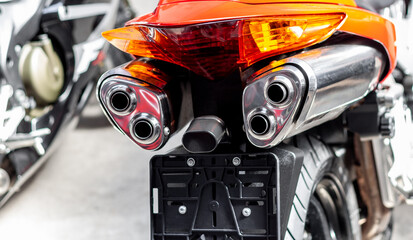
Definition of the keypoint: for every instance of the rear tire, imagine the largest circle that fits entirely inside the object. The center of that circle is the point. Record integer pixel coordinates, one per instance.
(325, 204)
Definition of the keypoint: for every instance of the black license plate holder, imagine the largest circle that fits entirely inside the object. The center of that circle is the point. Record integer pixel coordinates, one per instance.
(215, 197)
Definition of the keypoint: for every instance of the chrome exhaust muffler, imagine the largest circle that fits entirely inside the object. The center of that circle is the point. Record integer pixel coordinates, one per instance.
(134, 99)
(295, 94)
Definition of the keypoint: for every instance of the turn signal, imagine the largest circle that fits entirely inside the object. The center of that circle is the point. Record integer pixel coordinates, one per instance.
(272, 36)
(215, 49)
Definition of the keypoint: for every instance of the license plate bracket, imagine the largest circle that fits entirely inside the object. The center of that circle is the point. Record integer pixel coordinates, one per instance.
(215, 197)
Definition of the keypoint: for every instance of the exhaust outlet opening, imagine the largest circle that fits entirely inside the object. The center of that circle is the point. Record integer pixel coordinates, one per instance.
(120, 101)
(259, 124)
(204, 134)
(277, 93)
(143, 129)
(199, 142)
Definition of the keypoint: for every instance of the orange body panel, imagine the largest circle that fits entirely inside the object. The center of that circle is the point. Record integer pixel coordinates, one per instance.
(359, 21)
(339, 2)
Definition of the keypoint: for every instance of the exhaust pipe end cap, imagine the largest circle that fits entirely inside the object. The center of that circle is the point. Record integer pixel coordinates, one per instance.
(121, 100)
(262, 124)
(145, 129)
(204, 134)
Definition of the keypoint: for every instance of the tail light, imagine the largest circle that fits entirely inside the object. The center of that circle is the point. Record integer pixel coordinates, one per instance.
(215, 49)
(134, 99)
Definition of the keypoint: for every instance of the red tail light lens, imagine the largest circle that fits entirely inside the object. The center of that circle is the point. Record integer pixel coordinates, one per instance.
(215, 49)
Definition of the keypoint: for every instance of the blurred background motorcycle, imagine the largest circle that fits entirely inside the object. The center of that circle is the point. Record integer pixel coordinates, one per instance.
(51, 52)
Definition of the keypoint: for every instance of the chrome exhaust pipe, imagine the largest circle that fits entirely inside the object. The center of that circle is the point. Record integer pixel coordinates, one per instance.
(259, 124)
(307, 90)
(137, 104)
(145, 128)
(121, 100)
(203, 134)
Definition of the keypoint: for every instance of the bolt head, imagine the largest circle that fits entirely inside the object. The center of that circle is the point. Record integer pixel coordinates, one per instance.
(166, 131)
(236, 161)
(182, 210)
(190, 162)
(246, 212)
(213, 206)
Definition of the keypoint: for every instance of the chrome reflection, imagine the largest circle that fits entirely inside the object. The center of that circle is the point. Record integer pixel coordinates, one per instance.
(145, 128)
(274, 112)
(309, 89)
(137, 109)
(121, 100)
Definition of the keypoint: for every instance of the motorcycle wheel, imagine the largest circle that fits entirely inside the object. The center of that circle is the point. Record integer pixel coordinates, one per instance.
(325, 203)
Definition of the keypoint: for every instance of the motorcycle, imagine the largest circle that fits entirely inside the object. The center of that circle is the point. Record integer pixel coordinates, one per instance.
(51, 53)
(296, 116)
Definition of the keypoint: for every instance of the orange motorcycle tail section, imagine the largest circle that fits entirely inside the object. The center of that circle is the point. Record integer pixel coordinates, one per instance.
(276, 24)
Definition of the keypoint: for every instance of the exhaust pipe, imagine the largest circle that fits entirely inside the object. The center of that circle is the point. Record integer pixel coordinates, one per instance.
(121, 100)
(262, 123)
(307, 90)
(145, 128)
(259, 124)
(137, 104)
(203, 134)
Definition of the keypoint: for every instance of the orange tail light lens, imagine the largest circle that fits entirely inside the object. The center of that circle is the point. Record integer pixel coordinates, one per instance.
(271, 36)
(216, 49)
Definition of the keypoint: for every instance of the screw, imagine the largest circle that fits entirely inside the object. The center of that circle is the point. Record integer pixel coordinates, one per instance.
(190, 162)
(236, 161)
(182, 210)
(213, 206)
(246, 212)
(166, 131)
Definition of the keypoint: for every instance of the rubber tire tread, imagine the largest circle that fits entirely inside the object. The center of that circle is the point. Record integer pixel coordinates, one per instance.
(318, 159)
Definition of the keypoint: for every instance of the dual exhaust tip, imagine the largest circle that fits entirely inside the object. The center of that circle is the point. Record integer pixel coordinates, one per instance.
(144, 128)
(278, 93)
(204, 133)
(121, 100)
